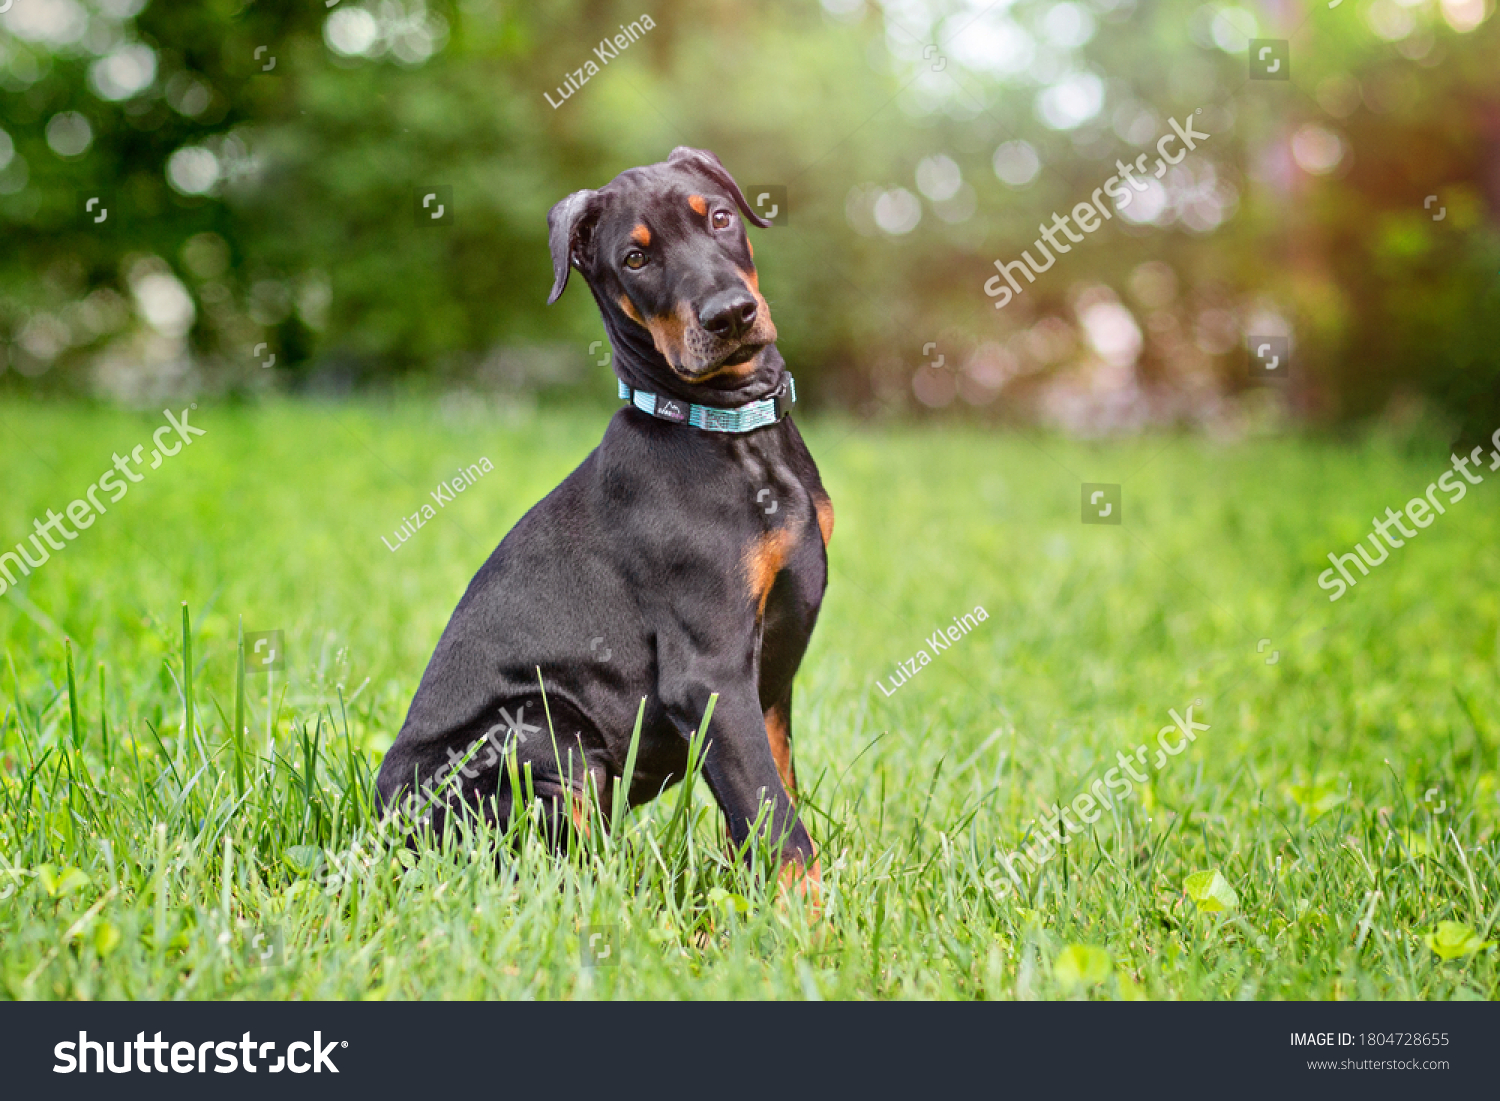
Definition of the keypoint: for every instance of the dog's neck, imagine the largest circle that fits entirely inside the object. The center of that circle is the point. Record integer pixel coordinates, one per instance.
(640, 366)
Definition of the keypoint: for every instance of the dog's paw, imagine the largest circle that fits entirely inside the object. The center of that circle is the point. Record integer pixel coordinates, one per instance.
(806, 882)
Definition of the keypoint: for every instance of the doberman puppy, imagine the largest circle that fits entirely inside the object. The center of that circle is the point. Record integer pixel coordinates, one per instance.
(685, 556)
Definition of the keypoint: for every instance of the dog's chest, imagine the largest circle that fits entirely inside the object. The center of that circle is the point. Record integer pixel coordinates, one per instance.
(785, 567)
(739, 520)
(787, 519)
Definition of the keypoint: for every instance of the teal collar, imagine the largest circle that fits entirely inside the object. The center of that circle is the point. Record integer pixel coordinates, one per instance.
(710, 418)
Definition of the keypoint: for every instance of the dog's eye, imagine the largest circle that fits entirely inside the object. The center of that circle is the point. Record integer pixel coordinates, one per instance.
(635, 259)
(722, 219)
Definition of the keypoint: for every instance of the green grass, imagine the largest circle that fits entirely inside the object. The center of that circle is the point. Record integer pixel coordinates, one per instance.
(1347, 793)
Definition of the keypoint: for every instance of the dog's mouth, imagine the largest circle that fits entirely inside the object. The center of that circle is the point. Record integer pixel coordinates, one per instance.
(744, 354)
(708, 368)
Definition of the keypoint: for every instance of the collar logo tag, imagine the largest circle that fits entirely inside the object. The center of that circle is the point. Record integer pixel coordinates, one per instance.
(671, 410)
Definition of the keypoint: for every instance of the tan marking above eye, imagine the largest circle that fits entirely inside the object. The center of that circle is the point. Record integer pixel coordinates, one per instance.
(641, 235)
(698, 203)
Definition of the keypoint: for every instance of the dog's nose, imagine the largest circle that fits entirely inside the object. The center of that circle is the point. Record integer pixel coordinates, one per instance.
(728, 315)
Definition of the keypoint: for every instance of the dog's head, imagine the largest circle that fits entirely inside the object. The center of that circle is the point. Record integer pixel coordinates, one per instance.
(663, 246)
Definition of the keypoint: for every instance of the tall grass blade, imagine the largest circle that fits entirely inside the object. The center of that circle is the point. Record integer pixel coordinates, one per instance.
(72, 696)
(187, 675)
(104, 723)
(622, 783)
(238, 738)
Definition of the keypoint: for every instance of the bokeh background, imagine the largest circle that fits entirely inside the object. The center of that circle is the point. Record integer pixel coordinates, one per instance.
(1354, 208)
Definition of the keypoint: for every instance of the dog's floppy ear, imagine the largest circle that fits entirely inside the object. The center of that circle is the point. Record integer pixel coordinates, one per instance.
(709, 165)
(566, 223)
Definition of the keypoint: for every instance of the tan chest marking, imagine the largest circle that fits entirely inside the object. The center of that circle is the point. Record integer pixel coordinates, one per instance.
(763, 560)
(824, 509)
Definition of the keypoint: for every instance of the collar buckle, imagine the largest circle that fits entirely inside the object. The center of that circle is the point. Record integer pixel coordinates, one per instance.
(784, 396)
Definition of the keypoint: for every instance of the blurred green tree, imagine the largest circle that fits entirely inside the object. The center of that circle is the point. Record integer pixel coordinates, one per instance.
(263, 167)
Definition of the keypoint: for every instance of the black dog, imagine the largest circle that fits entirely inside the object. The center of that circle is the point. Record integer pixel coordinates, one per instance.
(685, 556)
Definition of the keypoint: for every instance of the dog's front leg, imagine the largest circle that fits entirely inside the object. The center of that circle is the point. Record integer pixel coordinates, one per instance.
(738, 764)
